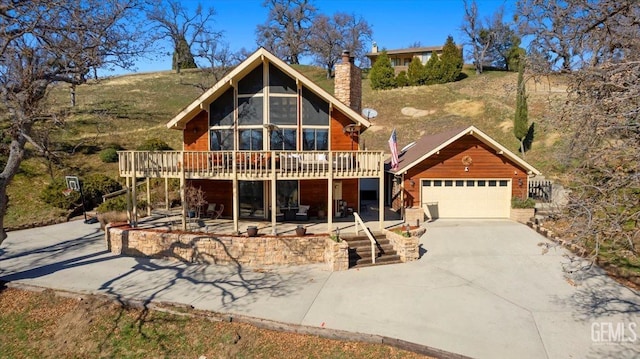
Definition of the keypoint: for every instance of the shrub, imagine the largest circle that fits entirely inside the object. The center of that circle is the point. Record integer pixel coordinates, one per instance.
(109, 155)
(154, 144)
(118, 204)
(52, 195)
(517, 202)
(401, 79)
(416, 72)
(451, 61)
(382, 75)
(97, 185)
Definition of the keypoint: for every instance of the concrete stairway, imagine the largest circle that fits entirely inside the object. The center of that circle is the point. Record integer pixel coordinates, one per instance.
(360, 251)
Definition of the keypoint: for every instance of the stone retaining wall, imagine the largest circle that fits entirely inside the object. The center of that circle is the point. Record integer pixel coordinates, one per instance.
(406, 247)
(225, 249)
(522, 215)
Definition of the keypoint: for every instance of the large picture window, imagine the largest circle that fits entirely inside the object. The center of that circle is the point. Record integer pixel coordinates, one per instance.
(279, 82)
(252, 83)
(283, 139)
(251, 139)
(315, 139)
(250, 111)
(221, 110)
(221, 140)
(315, 111)
(283, 110)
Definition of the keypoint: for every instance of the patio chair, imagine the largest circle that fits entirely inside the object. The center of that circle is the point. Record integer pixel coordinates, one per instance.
(303, 212)
(211, 208)
(212, 212)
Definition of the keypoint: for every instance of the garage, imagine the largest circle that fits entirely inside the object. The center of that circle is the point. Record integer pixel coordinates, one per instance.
(469, 198)
(460, 173)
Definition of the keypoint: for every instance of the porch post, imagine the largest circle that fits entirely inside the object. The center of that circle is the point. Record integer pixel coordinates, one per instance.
(166, 193)
(148, 196)
(274, 230)
(183, 196)
(236, 204)
(381, 194)
(128, 194)
(134, 193)
(402, 196)
(330, 195)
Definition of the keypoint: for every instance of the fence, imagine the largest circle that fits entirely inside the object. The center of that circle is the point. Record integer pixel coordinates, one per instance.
(541, 190)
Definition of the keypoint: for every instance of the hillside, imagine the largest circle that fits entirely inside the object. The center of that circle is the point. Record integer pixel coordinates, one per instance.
(129, 109)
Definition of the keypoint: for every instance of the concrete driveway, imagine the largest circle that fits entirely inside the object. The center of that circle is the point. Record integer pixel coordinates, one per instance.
(482, 288)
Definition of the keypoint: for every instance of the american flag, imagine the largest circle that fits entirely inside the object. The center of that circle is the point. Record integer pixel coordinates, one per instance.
(393, 145)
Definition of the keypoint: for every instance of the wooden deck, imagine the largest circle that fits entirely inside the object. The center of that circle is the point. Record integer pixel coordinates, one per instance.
(251, 165)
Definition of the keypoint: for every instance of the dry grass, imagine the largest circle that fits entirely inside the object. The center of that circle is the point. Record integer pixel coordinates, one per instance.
(43, 325)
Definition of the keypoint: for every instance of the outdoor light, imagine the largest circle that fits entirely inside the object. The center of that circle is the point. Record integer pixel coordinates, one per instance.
(412, 182)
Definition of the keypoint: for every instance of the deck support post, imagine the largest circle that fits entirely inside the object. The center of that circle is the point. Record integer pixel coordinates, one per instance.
(183, 197)
(274, 199)
(128, 194)
(148, 196)
(235, 200)
(381, 195)
(166, 193)
(330, 196)
(134, 193)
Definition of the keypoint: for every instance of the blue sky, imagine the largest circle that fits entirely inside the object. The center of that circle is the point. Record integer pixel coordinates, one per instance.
(396, 23)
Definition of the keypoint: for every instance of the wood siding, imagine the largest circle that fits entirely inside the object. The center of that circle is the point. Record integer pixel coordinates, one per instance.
(218, 192)
(448, 164)
(314, 193)
(339, 140)
(196, 133)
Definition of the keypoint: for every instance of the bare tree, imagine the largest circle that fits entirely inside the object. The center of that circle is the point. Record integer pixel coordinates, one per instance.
(53, 41)
(602, 114)
(479, 36)
(183, 28)
(287, 29)
(505, 42)
(216, 59)
(332, 35)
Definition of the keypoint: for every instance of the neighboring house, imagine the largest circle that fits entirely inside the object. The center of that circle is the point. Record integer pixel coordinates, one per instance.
(461, 173)
(266, 142)
(401, 58)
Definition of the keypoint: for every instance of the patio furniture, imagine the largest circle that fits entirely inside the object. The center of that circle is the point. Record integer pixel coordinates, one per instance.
(212, 212)
(303, 213)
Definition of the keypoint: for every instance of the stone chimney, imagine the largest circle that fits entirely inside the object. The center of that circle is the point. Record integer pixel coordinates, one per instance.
(348, 83)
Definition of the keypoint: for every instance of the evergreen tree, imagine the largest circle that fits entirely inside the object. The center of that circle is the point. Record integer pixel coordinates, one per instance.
(451, 61)
(432, 70)
(382, 75)
(401, 79)
(416, 72)
(521, 118)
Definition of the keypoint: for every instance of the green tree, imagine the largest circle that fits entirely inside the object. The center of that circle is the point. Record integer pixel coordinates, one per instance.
(521, 118)
(432, 70)
(401, 79)
(382, 75)
(451, 61)
(416, 72)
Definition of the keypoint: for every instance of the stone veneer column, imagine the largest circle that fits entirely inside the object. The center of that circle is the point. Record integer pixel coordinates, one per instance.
(348, 83)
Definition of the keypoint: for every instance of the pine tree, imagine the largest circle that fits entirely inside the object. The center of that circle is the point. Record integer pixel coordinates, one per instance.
(382, 75)
(401, 79)
(416, 72)
(521, 118)
(451, 61)
(432, 70)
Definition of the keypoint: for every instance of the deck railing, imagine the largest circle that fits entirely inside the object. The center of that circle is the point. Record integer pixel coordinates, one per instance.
(253, 165)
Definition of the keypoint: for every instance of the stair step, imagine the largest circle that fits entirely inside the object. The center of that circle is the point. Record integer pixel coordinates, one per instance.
(366, 251)
(386, 259)
(365, 242)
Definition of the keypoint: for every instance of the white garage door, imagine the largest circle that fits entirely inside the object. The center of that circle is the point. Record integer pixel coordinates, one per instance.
(470, 198)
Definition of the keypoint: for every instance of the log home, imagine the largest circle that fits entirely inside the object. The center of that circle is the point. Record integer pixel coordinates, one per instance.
(268, 143)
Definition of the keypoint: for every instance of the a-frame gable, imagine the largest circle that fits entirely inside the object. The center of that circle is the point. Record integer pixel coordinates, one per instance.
(254, 60)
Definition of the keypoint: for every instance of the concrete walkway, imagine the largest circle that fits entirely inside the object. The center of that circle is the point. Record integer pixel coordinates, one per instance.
(481, 288)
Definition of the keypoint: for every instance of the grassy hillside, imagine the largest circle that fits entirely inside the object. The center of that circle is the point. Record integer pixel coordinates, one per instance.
(130, 109)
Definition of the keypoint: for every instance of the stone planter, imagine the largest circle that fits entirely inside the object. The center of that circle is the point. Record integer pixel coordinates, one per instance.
(522, 215)
(252, 231)
(301, 231)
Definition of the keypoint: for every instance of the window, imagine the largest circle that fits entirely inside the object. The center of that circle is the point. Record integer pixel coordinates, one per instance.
(279, 82)
(437, 183)
(283, 139)
(448, 183)
(252, 83)
(221, 110)
(250, 111)
(482, 183)
(287, 193)
(426, 183)
(283, 110)
(471, 183)
(251, 139)
(459, 183)
(315, 139)
(503, 183)
(221, 140)
(493, 183)
(315, 111)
